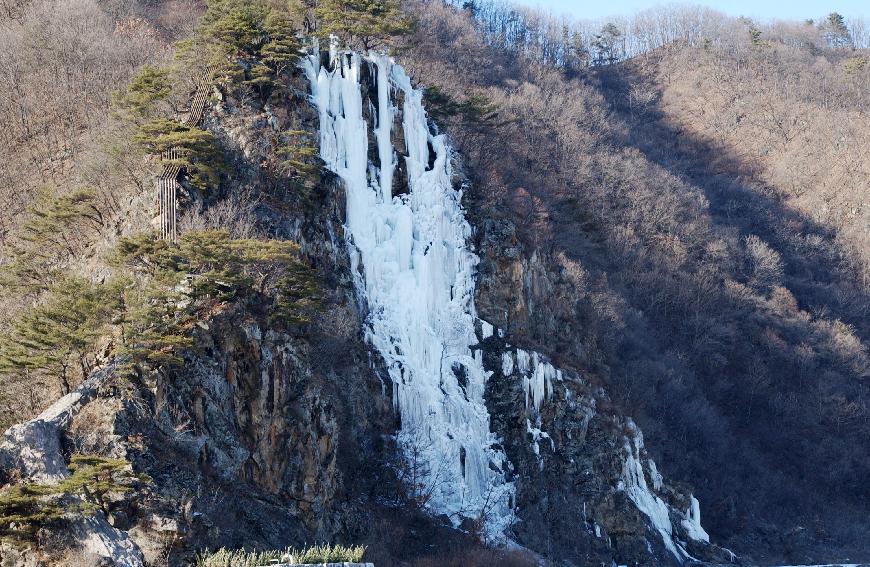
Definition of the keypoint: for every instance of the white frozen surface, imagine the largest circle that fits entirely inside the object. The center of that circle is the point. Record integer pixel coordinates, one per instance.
(537, 375)
(656, 476)
(692, 523)
(416, 273)
(634, 484)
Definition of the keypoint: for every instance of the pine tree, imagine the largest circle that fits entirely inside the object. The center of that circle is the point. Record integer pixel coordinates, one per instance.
(199, 152)
(755, 37)
(299, 158)
(365, 23)
(250, 42)
(54, 230)
(836, 32)
(146, 89)
(181, 283)
(236, 26)
(281, 48)
(25, 508)
(58, 335)
(606, 45)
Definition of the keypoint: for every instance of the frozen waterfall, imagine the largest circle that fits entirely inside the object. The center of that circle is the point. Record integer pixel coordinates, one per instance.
(414, 269)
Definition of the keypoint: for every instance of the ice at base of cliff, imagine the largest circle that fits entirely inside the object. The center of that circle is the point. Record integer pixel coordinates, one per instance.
(692, 523)
(634, 484)
(416, 273)
(653, 507)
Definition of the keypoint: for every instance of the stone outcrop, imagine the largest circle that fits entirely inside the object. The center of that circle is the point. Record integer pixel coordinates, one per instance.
(270, 436)
(587, 491)
(33, 451)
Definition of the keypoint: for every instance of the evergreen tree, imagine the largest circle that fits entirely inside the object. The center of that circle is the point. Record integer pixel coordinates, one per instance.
(281, 48)
(233, 29)
(755, 36)
(606, 44)
(24, 508)
(58, 335)
(300, 159)
(54, 230)
(199, 153)
(180, 284)
(364, 23)
(150, 86)
(836, 32)
(235, 26)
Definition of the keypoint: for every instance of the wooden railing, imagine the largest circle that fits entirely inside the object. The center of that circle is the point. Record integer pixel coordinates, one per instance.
(167, 181)
(167, 193)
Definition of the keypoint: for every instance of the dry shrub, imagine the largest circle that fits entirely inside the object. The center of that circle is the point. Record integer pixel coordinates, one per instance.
(479, 557)
(714, 194)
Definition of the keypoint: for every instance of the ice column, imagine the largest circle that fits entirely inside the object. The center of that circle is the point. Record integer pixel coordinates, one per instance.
(415, 271)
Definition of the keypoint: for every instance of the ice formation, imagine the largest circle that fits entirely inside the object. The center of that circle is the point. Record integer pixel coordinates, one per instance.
(692, 522)
(537, 374)
(634, 484)
(653, 507)
(538, 377)
(415, 271)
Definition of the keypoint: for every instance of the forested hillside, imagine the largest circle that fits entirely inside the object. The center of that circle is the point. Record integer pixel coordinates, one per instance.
(69, 168)
(705, 204)
(672, 208)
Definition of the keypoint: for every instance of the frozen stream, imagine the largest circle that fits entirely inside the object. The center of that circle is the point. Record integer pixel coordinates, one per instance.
(409, 254)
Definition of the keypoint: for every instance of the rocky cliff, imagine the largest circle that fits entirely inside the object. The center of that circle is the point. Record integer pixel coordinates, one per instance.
(275, 435)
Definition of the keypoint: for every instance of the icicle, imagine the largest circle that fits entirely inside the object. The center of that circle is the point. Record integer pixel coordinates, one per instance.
(634, 484)
(692, 523)
(507, 363)
(522, 360)
(382, 131)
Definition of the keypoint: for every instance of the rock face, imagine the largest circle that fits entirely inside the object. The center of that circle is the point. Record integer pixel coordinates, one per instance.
(587, 491)
(32, 451)
(269, 437)
(264, 438)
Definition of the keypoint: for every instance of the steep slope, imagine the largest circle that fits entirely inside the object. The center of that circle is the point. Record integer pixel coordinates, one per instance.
(728, 323)
(415, 274)
(272, 434)
(506, 269)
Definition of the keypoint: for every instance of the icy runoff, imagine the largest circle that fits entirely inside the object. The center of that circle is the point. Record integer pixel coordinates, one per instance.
(414, 269)
(539, 378)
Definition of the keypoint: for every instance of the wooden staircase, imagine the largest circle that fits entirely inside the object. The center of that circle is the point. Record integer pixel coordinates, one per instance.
(167, 181)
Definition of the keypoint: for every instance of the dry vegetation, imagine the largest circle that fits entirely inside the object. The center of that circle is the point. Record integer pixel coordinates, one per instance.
(798, 122)
(90, 98)
(705, 204)
(61, 64)
(705, 201)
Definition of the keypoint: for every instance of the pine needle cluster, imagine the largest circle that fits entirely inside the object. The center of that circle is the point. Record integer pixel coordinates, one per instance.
(25, 508)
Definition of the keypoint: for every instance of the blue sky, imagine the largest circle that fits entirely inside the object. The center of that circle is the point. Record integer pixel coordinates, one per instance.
(757, 9)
